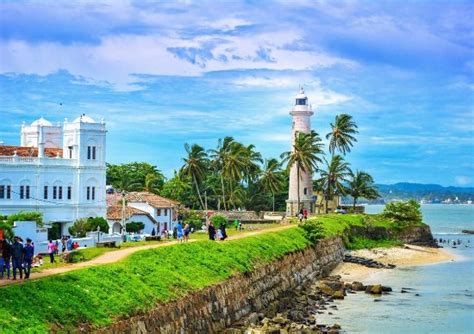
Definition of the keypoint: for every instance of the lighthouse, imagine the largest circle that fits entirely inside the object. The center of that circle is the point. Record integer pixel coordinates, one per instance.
(301, 117)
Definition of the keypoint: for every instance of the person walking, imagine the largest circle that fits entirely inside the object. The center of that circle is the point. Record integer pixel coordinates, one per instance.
(17, 257)
(236, 224)
(6, 251)
(179, 231)
(2, 259)
(51, 251)
(29, 252)
(223, 232)
(211, 230)
(187, 230)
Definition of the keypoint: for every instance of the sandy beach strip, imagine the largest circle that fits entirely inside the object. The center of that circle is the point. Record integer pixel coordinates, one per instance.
(410, 255)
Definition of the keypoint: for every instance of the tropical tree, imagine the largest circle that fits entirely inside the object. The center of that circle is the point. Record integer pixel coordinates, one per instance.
(135, 176)
(195, 165)
(272, 180)
(361, 184)
(342, 135)
(333, 178)
(305, 155)
(252, 162)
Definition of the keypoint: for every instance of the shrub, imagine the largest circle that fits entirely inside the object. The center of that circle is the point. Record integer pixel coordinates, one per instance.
(403, 213)
(6, 222)
(313, 230)
(135, 227)
(84, 225)
(193, 218)
(219, 219)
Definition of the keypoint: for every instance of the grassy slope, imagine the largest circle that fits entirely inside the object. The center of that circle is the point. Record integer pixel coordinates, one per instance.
(99, 294)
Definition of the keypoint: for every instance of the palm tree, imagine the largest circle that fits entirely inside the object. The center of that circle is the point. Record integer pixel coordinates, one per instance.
(152, 183)
(342, 133)
(272, 180)
(195, 166)
(253, 159)
(228, 161)
(333, 177)
(305, 155)
(361, 184)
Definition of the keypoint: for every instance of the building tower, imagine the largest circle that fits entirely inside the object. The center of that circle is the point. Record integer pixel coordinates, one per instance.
(301, 114)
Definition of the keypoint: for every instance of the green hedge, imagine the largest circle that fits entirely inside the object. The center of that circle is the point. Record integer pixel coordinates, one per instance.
(98, 295)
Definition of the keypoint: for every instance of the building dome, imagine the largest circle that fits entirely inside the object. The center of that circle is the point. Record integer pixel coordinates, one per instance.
(84, 119)
(41, 122)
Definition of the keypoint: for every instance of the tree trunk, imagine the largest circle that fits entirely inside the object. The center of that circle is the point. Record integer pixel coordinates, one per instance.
(273, 201)
(354, 204)
(198, 192)
(298, 187)
(223, 192)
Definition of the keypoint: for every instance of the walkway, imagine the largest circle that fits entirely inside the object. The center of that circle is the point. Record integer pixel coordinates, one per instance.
(115, 256)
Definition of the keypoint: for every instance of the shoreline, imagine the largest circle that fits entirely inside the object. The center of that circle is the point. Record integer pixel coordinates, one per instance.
(407, 256)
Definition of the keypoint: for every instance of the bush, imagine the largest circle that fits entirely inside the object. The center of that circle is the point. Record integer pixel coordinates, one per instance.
(6, 222)
(193, 218)
(219, 219)
(403, 213)
(313, 230)
(135, 227)
(84, 225)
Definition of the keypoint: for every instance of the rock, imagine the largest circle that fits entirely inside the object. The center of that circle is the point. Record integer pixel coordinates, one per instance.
(336, 326)
(326, 289)
(377, 300)
(279, 319)
(253, 318)
(386, 289)
(339, 294)
(358, 286)
(417, 294)
(374, 289)
(404, 291)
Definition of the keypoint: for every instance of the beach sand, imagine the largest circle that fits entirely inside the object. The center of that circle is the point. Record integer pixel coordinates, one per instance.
(410, 255)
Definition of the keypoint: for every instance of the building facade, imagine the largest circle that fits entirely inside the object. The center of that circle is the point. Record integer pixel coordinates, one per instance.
(301, 122)
(58, 170)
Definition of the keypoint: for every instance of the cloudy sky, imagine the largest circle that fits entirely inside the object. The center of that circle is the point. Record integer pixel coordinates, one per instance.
(165, 73)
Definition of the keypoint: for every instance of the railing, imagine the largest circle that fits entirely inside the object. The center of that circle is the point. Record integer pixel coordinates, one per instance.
(37, 161)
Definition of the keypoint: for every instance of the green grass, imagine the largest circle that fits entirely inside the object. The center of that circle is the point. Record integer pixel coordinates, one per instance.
(355, 243)
(98, 295)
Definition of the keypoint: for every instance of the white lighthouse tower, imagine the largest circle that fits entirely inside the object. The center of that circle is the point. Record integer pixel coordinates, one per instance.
(301, 114)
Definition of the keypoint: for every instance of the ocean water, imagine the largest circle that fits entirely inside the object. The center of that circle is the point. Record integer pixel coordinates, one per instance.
(446, 290)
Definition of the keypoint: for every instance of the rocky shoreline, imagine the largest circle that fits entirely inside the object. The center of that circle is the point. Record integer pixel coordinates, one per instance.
(298, 311)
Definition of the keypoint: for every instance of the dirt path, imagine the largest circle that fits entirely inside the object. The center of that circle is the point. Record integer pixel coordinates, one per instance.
(115, 256)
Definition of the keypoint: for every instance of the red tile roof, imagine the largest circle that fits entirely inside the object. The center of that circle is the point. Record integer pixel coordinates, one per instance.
(152, 199)
(23, 151)
(115, 213)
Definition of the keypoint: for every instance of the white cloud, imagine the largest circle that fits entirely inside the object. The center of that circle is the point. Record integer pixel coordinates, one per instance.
(462, 180)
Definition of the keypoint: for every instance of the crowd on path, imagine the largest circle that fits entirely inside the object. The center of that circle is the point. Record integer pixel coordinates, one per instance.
(216, 234)
(16, 257)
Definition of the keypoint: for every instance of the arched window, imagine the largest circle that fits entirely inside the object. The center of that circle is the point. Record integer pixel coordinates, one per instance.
(5, 189)
(25, 189)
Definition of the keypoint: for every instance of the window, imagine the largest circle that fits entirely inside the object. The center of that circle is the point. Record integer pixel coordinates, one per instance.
(93, 193)
(158, 212)
(60, 193)
(88, 152)
(166, 212)
(27, 192)
(69, 192)
(70, 151)
(22, 192)
(2, 192)
(93, 152)
(305, 191)
(55, 192)
(88, 193)
(45, 192)
(9, 192)
(301, 102)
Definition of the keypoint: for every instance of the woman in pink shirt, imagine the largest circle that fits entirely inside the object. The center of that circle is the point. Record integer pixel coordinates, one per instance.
(51, 248)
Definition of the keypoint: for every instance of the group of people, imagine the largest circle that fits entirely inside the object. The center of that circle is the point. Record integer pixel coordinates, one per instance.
(182, 233)
(303, 214)
(216, 234)
(66, 244)
(16, 256)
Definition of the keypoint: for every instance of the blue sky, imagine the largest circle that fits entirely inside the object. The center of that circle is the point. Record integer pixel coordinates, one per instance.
(162, 74)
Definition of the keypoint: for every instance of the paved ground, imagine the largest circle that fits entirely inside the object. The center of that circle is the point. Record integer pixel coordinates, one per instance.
(115, 256)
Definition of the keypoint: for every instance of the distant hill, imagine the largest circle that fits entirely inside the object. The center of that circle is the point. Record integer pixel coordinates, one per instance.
(428, 193)
(434, 193)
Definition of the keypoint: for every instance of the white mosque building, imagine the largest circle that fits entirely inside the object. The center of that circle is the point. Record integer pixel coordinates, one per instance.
(58, 170)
